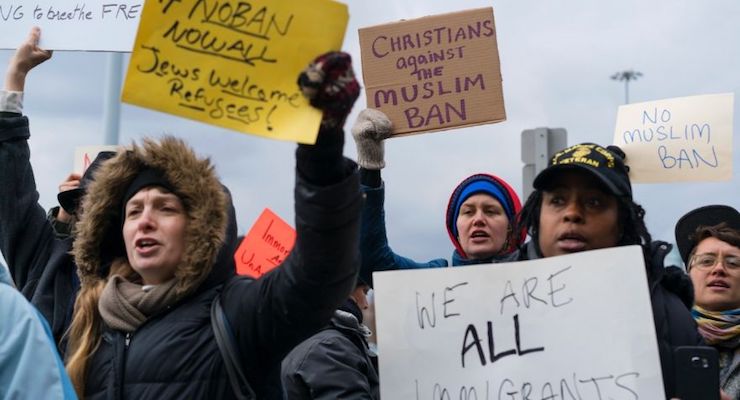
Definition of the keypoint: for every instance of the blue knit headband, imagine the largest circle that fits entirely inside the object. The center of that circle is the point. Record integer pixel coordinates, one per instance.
(485, 187)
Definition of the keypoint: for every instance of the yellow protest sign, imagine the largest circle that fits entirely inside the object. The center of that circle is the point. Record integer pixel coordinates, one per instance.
(233, 64)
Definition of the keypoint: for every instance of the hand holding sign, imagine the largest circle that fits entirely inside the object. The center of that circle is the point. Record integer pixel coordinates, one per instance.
(71, 182)
(330, 85)
(370, 130)
(26, 57)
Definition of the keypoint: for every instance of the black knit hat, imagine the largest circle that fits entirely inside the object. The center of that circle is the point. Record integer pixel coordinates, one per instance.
(606, 164)
(703, 216)
(148, 177)
(70, 199)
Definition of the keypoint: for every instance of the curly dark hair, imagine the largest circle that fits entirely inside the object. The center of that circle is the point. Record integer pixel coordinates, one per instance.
(631, 220)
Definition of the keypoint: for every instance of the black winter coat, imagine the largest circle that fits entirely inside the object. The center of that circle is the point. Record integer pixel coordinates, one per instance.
(173, 355)
(332, 364)
(40, 263)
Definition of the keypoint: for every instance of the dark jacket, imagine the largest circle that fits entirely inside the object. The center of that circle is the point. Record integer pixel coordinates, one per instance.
(729, 373)
(674, 325)
(174, 354)
(332, 364)
(39, 262)
(374, 248)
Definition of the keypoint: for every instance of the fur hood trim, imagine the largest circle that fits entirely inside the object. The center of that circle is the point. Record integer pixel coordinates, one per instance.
(99, 240)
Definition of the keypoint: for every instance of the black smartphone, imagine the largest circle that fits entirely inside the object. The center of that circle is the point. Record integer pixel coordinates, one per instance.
(697, 373)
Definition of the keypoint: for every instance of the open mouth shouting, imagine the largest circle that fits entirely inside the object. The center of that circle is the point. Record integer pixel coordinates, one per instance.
(146, 246)
(572, 242)
(479, 236)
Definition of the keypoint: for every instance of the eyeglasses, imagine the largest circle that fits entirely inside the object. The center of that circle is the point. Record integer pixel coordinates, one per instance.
(706, 261)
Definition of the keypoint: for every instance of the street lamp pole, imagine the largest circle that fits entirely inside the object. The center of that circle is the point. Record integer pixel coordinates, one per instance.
(626, 76)
(111, 101)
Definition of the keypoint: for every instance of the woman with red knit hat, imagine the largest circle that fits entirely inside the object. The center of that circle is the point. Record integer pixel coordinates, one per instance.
(480, 214)
(480, 217)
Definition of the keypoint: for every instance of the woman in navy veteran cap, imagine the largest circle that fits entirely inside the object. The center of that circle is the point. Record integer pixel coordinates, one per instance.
(583, 201)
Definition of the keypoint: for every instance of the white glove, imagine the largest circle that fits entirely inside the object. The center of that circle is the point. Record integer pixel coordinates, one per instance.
(370, 129)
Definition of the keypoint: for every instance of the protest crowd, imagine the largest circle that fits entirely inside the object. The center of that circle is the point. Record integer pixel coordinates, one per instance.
(128, 289)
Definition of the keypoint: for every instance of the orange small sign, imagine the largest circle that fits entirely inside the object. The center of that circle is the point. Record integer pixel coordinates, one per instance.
(266, 246)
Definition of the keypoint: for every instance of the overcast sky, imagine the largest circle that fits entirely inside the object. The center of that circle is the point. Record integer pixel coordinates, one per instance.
(556, 59)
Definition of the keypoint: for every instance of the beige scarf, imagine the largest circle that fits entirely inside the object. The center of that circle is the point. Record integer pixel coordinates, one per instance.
(125, 305)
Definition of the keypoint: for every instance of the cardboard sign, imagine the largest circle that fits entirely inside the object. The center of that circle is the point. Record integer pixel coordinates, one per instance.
(233, 64)
(436, 72)
(681, 139)
(71, 24)
(85, 155)
(266, 246)
(578, 326)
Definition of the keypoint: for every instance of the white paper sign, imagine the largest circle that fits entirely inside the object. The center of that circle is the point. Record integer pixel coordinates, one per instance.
(681, 139)
(85, 155)
(96, 25)
(578, 326)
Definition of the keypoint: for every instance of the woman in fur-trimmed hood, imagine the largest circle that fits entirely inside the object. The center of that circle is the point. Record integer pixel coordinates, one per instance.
(155, 244)
(191, 179)
(118, 295)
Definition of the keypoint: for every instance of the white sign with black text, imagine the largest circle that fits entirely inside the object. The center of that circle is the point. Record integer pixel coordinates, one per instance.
(578, 326)
(94, 25)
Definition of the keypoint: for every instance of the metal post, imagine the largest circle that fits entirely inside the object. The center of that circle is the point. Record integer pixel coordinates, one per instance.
(111, 102)
(626, 91)
(538, 145)
(627, 76)
(540, 150)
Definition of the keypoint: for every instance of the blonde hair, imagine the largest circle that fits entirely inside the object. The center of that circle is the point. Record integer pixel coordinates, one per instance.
(86, 329)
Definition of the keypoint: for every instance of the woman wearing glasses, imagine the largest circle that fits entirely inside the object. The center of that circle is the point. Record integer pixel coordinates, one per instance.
(708, 239)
